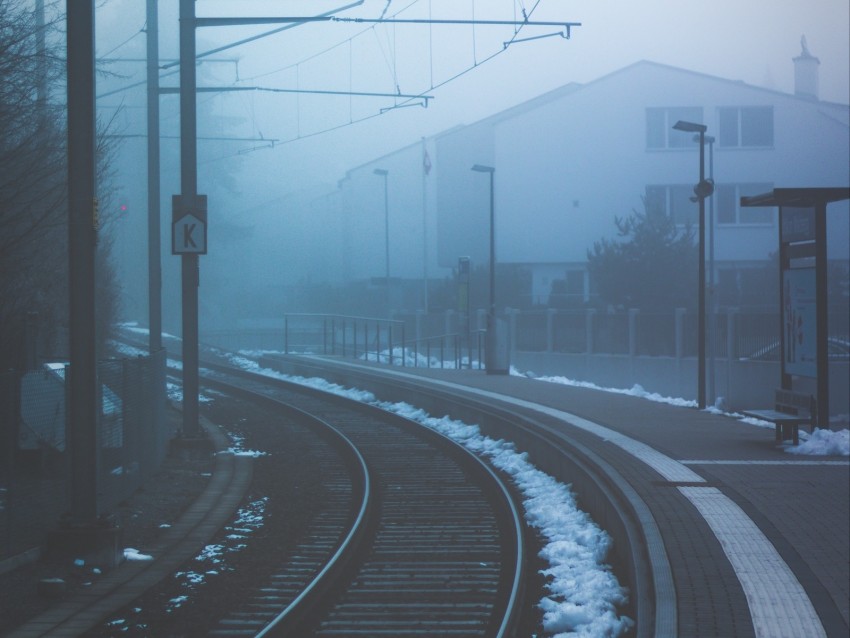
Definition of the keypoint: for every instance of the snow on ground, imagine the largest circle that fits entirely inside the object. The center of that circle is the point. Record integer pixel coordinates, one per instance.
(236, 449)
(134, 554)
(583, 593)
(820, 442)
(824, 442)
(212, 560)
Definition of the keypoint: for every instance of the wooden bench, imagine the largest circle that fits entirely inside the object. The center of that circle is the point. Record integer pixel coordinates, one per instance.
(790, 410)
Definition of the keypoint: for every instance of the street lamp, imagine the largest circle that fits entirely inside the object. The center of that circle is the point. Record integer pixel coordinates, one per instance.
(382, 172)
(702, 190)
(712, 305)
(490, 350)
(489, 169)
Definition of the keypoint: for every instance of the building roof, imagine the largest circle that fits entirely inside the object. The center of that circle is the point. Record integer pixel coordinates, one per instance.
(834, 108)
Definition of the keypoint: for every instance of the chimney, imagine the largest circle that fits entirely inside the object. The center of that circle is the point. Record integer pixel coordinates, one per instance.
(806, 73)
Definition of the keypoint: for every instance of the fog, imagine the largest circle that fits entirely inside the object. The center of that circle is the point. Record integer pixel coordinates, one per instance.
(293, 196)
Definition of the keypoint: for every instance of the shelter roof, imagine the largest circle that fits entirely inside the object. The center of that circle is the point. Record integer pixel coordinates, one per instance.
(802, 197)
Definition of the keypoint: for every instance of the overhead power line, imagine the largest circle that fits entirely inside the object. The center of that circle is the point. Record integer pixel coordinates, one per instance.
(226, 89)
(221, 22)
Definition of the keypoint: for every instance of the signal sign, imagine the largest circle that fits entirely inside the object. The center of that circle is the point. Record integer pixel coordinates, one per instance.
(189, 226)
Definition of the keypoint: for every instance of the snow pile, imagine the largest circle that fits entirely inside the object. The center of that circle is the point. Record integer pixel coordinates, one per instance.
(584, 593)
(824, 442)
(414, 359)
(134, 554)
(635, 391)
(237, 449)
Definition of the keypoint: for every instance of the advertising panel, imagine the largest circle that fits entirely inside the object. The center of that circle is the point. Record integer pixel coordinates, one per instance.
(799, 321)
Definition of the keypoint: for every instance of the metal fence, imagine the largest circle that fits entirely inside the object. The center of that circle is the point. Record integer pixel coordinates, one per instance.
(35, 484)
(672, 334)
(729, 333)
(385, 340)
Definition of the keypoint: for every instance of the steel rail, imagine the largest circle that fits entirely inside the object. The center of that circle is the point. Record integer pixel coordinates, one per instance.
(291, 615)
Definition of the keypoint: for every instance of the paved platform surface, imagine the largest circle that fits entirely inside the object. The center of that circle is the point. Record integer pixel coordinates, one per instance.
(758, 539)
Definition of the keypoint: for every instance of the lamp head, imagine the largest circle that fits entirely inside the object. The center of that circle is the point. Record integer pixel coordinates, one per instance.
(381, 171)
(479, 168)
(690, 127)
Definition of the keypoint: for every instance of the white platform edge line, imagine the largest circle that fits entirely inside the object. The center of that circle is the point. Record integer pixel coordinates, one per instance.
(778, 603)
(762, 462)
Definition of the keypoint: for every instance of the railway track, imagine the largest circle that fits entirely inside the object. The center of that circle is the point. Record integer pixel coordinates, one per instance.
(435, 547)
(416, 536)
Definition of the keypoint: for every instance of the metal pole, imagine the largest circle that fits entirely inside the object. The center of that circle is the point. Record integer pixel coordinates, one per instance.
(387, 243)
(492, 252)
(154, 249)
(712, 313)
(189, 191)
(821, 317)
(82, 240)
(424, 228)
(701, 310)
(490, 345)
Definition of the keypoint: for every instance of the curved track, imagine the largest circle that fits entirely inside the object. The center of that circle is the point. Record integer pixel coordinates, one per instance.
(435, 547)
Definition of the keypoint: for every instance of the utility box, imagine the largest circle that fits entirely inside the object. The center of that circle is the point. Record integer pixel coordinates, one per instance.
(498, 346)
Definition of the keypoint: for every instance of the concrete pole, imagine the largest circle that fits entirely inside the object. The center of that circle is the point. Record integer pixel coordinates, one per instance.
(154, 248)
(82, 240)
(189, 191)
(701, 281)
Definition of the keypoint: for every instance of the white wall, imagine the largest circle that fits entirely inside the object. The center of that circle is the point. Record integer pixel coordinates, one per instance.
(568, 166)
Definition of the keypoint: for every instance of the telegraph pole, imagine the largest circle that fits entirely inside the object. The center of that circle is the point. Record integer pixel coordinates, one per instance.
(82, 239)
(154, 248)
(185, 244)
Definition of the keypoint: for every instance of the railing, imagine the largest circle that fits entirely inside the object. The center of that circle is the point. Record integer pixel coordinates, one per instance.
(452, 351)
(729, 333)
(340, 334)
(379, 340)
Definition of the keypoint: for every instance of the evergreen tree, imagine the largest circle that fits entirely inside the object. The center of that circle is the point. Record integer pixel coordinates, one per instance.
(651, 266)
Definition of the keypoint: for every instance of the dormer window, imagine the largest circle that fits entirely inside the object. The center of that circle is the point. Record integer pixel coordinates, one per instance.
(746, 126)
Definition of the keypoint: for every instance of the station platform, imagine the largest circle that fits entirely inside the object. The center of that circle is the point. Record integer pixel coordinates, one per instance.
(757, 539)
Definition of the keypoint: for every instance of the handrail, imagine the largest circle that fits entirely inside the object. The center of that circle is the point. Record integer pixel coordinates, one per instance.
(335, 316)
(375, 339)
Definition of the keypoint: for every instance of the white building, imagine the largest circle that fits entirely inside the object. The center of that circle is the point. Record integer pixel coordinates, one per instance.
(569, 161)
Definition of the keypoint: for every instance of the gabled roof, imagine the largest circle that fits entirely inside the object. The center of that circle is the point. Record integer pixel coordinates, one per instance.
(833, 108)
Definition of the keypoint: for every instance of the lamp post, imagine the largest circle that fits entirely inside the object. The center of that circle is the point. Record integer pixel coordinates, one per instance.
(382, 172)
(490, 350)
(712, 329)
(702, 190)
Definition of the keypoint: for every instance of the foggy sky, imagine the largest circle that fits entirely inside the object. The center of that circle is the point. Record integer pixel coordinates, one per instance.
(752, 41)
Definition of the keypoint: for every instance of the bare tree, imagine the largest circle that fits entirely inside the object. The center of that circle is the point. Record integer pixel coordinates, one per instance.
(33, 186)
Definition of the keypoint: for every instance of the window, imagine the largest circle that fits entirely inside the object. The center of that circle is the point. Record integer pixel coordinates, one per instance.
(659, 127)
(673, 200)
(746, 126)
(728, 204)
(575, 284)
